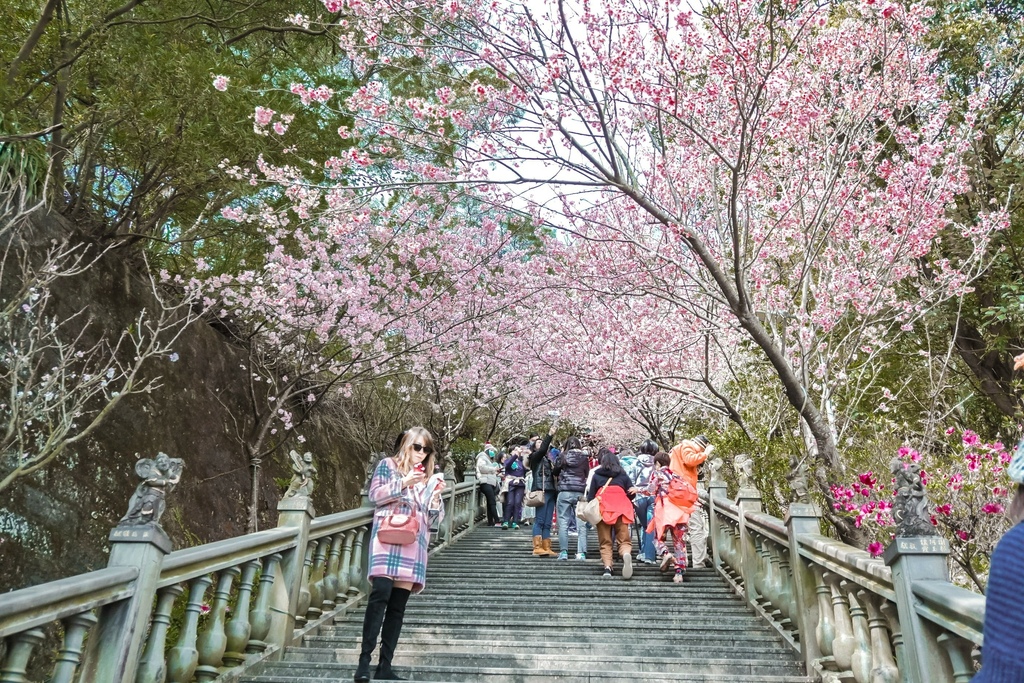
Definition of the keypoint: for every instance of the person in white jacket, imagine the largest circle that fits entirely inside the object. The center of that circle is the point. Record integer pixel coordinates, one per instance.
(487, 476)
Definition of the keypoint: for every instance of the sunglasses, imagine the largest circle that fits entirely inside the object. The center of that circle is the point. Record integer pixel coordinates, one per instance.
(420, 448)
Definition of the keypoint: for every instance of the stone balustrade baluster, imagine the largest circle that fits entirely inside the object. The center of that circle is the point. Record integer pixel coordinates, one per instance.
(845, 642)
(762, 572)
(316, 579)
(775, 577)
(331, 574)
(724, 539)
(260, 618)
(883, 668)
(860, 660)
(456, 512)
(239, 628)
(304, 595)
(345, 570)
(959, 651)
(356, 571)
(70, 655)
(213, 640)
(729, 545)
(787, 596)
(19, 651)
(153, 667)
(183, 658)
(735, 555)
(892, 616)
(825, 631)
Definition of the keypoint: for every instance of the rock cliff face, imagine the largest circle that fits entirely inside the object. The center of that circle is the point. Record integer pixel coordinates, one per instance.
(55, 523)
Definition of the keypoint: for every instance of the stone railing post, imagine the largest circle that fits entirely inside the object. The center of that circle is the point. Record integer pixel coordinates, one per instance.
(449, 513)
(469, 477)
(917, 555)
(748, 500)
(115, 646)
(716, 491)
(294, 512)
(804, 518)
(915, 559)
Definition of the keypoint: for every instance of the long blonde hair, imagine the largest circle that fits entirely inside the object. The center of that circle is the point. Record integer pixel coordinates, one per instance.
(403, 456)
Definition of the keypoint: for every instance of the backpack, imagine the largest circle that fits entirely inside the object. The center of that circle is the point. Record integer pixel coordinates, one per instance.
(681, 492)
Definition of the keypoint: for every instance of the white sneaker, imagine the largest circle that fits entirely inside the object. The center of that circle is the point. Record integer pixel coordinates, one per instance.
(627, 566)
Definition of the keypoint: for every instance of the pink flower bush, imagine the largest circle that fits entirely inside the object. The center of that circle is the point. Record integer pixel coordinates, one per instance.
(969, 502)
(221, 82)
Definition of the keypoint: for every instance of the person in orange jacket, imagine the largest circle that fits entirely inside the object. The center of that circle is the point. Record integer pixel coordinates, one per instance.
(675, 490)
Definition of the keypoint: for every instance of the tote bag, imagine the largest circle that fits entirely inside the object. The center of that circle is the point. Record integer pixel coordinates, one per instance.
(591, 510)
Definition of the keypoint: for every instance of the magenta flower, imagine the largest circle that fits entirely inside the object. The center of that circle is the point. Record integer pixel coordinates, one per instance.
(970, 438)
(962, 535)
(204, 608)
(945, 509)
(992, 508)
(875, 549)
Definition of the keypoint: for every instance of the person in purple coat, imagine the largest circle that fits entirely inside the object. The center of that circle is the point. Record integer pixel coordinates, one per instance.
(515, 474)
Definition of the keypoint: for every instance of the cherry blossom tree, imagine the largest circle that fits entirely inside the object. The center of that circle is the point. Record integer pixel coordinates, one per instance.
(354, 290)
(792, 162)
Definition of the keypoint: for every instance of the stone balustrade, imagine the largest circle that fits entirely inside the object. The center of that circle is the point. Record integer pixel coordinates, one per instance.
(232, 603)
(853, 617)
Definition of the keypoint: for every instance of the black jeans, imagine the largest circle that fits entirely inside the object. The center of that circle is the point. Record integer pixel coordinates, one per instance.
(492, 508)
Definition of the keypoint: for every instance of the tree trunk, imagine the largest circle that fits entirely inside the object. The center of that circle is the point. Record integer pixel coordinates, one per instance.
(994, 372)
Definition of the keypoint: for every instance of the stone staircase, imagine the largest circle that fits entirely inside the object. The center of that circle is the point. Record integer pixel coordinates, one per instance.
(493, 613)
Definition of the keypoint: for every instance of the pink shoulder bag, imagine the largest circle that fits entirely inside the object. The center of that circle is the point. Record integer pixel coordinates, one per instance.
(398, 529)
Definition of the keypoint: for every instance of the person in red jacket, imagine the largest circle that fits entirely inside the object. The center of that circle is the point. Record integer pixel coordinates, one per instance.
(613, 486)
(675, 491)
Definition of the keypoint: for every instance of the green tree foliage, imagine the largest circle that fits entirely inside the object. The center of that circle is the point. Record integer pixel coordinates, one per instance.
(982, 52)
(121, 95)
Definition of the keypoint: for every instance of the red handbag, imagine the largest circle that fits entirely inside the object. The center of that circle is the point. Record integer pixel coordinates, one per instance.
(398, 529)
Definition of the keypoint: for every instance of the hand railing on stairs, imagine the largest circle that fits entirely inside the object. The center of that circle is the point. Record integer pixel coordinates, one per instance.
(852, 616)
(232, 603)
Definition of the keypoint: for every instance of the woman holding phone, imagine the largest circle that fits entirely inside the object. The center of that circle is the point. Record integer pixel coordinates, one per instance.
(401, 485)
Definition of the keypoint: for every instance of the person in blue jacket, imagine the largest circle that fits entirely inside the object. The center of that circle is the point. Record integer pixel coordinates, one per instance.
(1002, 657)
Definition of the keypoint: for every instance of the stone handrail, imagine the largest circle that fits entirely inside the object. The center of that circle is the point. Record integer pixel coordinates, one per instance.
(269, 589)
(36, 606)
(852, 616)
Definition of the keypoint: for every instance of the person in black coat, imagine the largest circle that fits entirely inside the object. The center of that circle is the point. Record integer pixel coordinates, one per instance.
(543, 480)
(571, 468)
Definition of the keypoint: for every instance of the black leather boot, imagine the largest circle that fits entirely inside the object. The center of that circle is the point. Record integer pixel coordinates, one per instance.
(376, 606)
(389, 634)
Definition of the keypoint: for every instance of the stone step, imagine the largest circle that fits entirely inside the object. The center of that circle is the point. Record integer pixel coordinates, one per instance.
(718, 604)
(493, 613)
(747, 648)
(299, 672)
(637, 629)
(584, 615)
(526, 660)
